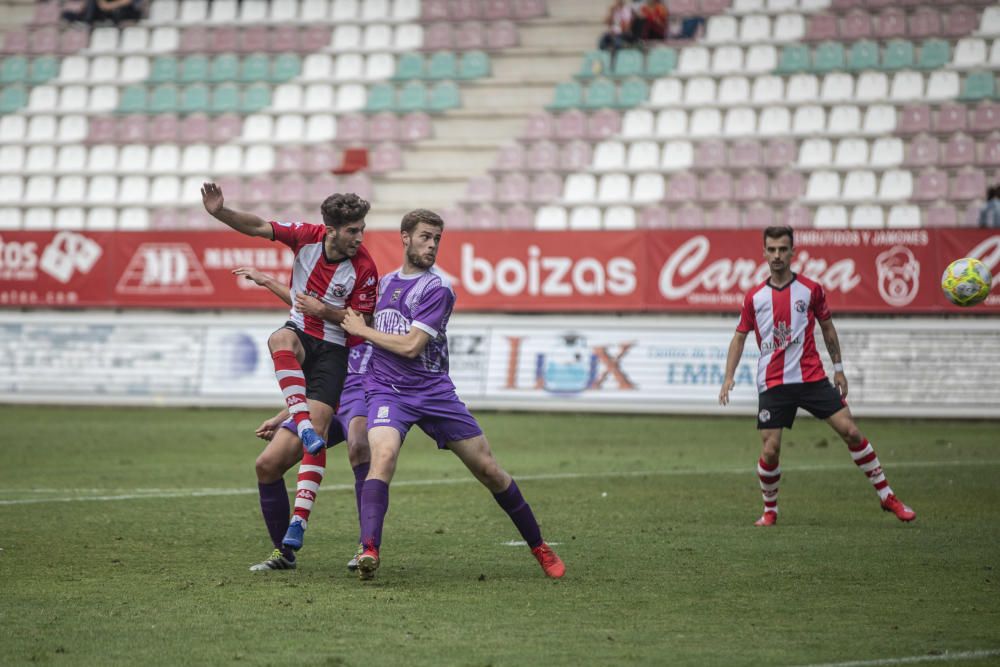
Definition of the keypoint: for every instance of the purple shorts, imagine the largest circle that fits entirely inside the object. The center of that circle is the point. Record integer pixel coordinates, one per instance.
(442, 416)
(352, 404)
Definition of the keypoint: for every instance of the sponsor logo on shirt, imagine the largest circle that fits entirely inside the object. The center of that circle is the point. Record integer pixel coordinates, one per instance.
(781, 340)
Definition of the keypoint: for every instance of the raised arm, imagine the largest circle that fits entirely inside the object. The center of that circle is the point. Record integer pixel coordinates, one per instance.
(409, 345)
(244, 223)
(732, 361)
(833, 347)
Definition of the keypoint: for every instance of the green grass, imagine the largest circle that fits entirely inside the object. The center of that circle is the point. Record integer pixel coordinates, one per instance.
(652, 515)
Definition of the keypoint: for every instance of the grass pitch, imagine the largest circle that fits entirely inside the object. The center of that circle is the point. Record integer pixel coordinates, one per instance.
(126, 537)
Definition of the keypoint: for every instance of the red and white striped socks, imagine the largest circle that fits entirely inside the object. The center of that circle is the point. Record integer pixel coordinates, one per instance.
(865, 458)
(311, 472)
(769, 477)
(293, 386)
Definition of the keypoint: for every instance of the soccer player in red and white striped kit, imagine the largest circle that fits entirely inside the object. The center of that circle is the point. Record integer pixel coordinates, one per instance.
(783, 311)
(331, 271)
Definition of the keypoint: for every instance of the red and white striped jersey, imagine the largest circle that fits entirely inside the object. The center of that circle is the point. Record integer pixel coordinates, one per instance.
(347, 282)
(784, 321)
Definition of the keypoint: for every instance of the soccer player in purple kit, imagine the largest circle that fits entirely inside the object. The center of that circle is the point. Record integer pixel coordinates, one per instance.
(408, 384)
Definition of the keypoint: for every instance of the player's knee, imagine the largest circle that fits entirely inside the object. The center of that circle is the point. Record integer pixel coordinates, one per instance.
(282, 339)
(852, 436)
(267, 468)
(358, 451)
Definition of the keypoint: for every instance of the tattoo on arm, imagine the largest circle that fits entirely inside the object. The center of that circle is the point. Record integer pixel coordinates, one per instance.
(832, 345)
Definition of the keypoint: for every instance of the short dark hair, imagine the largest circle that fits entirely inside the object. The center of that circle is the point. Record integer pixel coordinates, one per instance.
(416, 216)
(777, 231)
(341, 209)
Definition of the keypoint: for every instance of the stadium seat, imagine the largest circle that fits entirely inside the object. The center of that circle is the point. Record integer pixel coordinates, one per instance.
(745, 154)
(628, 62)
(942, 85)
(774, 121)
(733, 90)
(660, 62)
(585, 218)
(903, 217)
(828, 57)
(809, 120)
(568, 95)
(815, 152)
(444, 95)
(551, 218)
(886, 152)
(727, 60)
(837, 87)
(896, 185)
(898, 55)
(802, 88)
(694, 60)
(863, 55)
(979, 85)
(677, 155)
(879, 119)
(935, 54)
(474, 65)
(600, 93)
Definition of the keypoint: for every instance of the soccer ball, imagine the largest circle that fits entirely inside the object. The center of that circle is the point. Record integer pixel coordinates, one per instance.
(966, 282)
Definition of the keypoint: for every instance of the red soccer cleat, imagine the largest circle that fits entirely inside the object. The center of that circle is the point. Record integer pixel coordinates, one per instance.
(896, 506)
(368, 563)
(767, 519)
(551, 564)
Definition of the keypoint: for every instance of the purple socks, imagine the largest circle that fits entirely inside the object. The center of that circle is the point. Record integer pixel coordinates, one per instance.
(374, 504)
(275, 508)
(520, 513)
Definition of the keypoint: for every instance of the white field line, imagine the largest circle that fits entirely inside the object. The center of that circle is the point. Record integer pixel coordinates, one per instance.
(914, 659)
(138, 494)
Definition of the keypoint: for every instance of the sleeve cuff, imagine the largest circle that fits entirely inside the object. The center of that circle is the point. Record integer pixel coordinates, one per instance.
(426, 328)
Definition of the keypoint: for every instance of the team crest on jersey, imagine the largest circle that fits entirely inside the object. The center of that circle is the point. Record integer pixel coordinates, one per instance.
(339, 290)
(395, 296)
(800, 306)
(764, 416)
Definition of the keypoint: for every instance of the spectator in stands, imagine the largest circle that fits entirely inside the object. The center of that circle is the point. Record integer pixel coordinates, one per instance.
(989, 216)
(116, 11)
(619, 22)
(653, 17)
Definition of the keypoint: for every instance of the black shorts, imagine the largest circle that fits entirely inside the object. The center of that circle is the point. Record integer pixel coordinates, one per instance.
(776, 407)
(324, 365)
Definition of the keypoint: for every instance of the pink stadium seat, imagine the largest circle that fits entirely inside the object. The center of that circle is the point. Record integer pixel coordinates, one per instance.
(510, 157)
(539, 126)
(253, 39)
(232, 187)
(72, 41)
(914, 119)
(454, 216)
(415, 126)
(758, 216)
(950, 118)
(291, 189)
(780, 153)
(284, 39)
(546, 187)
(890, 23)
(821, 27)
(289, 159)
(716, 186)
(321, 187)
(751, 186)
(46, 13)
(383, 127)
(925, 22)
(518, 216)
(224, 40)
(922, 151)
(604, 123)
(464, 10)
(712, 7)
(164, 129)
(968, 184)
(745, 153)
(513, 188)
(386, 157)
(502, 35)
(930, 185)
(194, 40)
(469, 35)
(259, 190)
(575, 156)
(529, 9)
(315, 38)
(856, 25)
(710, 154)
(985, 117)
(480, 189)
(653, 217)
(483, 217)
(959, 150)
(845, 5)
(787, 186)
(960, 21)
(543, 156)
(103, 130)
(683, 7)
(352, 129)
(571, 124)
(941, 214)
(322, 159)
(688, 217)
(438, 37)
(495, 10)
(989, 154)
(435, 10)
(724, 216)
(796, 216)
(15, 41)
(226, 127)
(195, 128)
(681, 187)
(133, 129)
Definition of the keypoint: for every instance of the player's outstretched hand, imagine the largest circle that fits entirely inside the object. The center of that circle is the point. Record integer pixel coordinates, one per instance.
(840, 382)
(211, 197)
(309, 305)
(353, 323)
(252, 274)
(270, 426)
(727, 386)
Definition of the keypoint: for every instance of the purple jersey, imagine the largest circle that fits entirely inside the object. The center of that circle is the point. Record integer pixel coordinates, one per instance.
(422, 300)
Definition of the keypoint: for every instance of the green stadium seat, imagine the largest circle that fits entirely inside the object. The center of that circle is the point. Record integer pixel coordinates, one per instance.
(256, 97)
(568, 95)
(629, 62)
(43, 69)
(934, 54)
(794, 58)
(979, 86)
(474, 65)
(595, 63)
(255, 67)
(14, 70)
(13, 98)
(445, 95)
(409, 66)
(632, 92)
(412, 97)
(194, 69)
(285, 67)
(442, 65)
(863, 55)
(828, 57)
(226, 98)
(381, 97)
(225, 67)
(898, 55)
(163, 99)
(601, 93)
(133, 99)
(195, 99)
(661, 62)
(165, 69)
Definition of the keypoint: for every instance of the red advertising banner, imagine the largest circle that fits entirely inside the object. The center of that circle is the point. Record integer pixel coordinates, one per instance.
(864, 271)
